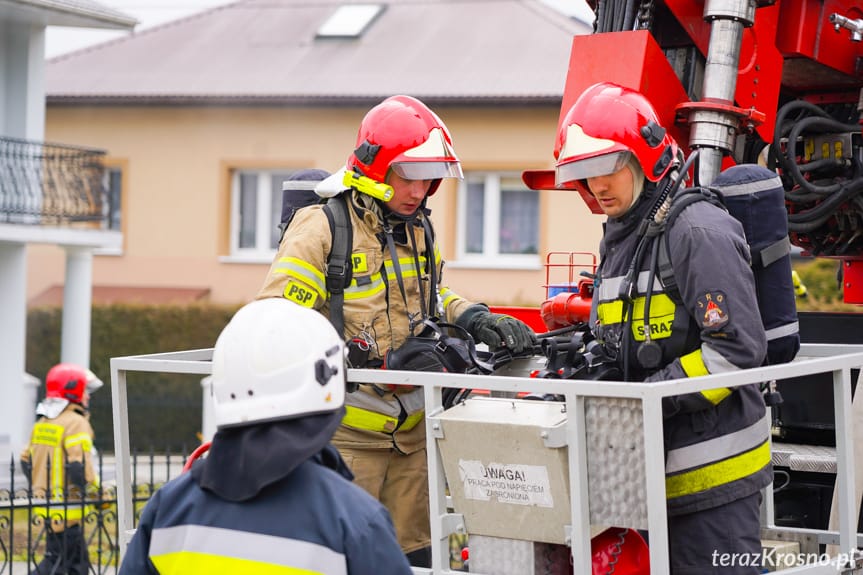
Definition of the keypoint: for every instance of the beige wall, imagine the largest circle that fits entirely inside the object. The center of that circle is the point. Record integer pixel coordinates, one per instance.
(177, 163)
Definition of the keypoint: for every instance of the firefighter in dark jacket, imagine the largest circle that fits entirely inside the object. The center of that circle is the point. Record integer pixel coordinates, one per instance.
(58, 463)
(613, 149)
(271, 495)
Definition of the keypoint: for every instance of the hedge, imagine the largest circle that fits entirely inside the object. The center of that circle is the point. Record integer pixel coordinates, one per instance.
(164, 409)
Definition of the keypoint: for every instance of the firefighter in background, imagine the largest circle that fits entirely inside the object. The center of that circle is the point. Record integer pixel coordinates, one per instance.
(612, 146)
(58, 463)
(396, 284)
(272, 496)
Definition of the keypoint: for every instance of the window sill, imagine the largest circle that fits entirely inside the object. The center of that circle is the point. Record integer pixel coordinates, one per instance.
(528, 263)
(247, 259)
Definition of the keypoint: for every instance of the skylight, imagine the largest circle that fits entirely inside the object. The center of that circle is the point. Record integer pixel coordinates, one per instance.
(349, 20)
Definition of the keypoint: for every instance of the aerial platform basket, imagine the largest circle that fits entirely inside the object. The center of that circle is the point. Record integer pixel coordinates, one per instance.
(507, 465)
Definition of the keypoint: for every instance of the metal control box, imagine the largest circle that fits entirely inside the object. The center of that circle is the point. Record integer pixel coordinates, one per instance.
(507, 467)
(501, 475)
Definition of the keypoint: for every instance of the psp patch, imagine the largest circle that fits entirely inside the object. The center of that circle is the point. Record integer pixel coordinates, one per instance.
(301, 294)
(359, 263)
(713, 307)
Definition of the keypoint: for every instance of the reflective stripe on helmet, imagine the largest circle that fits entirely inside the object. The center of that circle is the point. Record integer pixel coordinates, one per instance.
(427, 170)
(594, 167)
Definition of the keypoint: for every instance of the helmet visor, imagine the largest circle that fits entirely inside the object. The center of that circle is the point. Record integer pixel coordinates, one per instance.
(591, 167)
(427, 170)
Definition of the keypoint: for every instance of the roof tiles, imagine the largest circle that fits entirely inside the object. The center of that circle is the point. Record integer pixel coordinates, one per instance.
(266, 51)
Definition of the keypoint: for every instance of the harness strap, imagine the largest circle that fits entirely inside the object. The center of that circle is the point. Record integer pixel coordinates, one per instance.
(773, 252)
(431, 265)
(410, 230)
(664, 267)
(338, 267)
(397, 269)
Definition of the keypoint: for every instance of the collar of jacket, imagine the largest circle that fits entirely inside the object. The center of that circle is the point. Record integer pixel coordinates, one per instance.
(243, 461)
(628, 223)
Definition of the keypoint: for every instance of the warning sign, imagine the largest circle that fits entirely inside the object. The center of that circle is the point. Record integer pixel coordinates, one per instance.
(506, 483)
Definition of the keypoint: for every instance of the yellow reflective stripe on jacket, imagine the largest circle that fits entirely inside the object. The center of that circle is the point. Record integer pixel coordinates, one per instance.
(447, 296)
(191, 563)
(303, 271)
(693, 364)
(698, 455)
(407, 266)
(715, 396)
(609, 288)
(661, 316)
(82, 439)
(719, 473)
(59, 512)
(199, 550)
(359, 418)
(662, 311)
(375, 286)
(49, 434)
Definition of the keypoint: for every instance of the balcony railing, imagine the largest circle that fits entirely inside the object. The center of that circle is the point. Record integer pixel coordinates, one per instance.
(52, 184)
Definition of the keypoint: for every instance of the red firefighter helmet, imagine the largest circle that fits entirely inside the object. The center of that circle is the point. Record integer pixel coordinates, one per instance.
(403, 134)
(622, 551)
(603, 127)
(70, 382)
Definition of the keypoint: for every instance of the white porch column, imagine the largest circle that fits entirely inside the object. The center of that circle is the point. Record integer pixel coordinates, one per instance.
(13, 336)
(77, 301)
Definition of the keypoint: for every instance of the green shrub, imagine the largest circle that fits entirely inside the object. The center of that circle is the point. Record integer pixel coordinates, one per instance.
(164, 409)
(824, 292)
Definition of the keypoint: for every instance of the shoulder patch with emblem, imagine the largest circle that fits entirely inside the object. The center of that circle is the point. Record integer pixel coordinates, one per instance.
(300, 294)
(713, 308)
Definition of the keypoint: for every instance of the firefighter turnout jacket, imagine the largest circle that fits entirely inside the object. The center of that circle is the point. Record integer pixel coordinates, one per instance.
(717, 441)
(267, 498)
(60, 459)
(382, 436)
(377, 314)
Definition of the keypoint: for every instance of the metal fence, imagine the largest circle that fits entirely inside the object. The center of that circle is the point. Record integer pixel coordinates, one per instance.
(28, 520)
(51, 184)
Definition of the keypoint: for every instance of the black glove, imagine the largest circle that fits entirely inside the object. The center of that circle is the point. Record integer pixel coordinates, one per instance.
(27, 470)
(497, 330)
(75, 475)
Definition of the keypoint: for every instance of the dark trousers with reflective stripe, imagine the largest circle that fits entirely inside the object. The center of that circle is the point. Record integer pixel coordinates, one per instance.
(65, 553)
(723, 540)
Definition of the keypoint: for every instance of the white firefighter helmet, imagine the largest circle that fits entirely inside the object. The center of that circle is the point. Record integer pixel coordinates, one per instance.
(276, 360)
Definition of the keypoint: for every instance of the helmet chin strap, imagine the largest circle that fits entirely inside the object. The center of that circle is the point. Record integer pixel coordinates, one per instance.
(396, 217)
(637, 179)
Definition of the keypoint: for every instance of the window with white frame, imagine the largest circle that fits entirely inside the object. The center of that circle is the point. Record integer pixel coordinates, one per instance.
(113, 183)
(498, 221)
(256, 210)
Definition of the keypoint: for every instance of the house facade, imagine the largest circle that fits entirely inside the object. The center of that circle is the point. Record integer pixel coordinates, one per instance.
(205, 117)
(50, 195)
